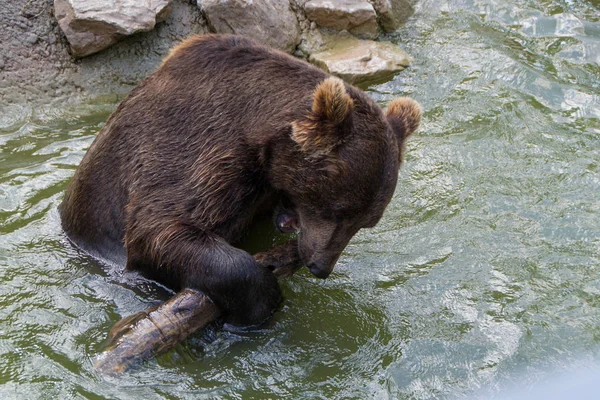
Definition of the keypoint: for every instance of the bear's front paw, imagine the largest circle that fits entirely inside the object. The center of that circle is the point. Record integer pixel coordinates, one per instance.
(254, 304)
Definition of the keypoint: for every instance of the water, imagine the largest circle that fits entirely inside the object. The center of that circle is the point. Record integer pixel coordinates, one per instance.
(484, 274)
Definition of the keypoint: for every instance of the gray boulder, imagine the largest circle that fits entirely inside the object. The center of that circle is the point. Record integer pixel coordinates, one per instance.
(356, 16)
(360, 61)
(392, 13)
(268, 21)
(93, 25)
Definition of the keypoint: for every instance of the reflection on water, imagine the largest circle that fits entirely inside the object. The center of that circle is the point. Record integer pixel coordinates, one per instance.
(484, 271)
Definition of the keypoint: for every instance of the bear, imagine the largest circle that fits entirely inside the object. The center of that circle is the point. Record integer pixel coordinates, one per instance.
(223, 131)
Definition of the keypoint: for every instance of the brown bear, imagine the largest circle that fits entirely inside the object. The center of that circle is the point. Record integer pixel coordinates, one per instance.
(224, 130)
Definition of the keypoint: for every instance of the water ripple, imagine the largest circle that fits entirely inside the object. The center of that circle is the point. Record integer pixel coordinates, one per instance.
(483, 271)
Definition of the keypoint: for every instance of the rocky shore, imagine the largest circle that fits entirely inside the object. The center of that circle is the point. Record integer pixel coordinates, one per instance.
(76, 50)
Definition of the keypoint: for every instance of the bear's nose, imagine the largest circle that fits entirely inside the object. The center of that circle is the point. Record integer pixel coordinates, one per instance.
(317, 271)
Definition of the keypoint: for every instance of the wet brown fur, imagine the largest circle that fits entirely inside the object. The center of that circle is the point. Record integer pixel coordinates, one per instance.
(404, 115)
(223, 129)
(323, 127)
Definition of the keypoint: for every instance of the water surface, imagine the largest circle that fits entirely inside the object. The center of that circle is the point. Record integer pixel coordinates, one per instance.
(482, 276)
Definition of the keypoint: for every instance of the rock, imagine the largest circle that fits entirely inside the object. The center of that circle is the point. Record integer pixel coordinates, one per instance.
(356, 16)
(360, 61)
(313, 41)
(30, 71)
(93, 25)
(31, 38)
(268, 21)
(392, 13)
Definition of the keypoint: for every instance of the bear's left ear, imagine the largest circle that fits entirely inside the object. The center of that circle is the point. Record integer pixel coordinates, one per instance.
(320, 131)
(403, 115)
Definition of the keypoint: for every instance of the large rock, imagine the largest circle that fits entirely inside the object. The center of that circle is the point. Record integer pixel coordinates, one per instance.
(93, 25)
(268, 21)
(392, 13)
(355, 16)
(42, 73)
(360, 61)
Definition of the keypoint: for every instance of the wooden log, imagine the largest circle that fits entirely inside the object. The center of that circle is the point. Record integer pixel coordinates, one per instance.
(149, 333)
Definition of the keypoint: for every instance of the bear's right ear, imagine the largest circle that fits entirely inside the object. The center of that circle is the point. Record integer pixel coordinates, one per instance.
(403, 115)
(320, 131)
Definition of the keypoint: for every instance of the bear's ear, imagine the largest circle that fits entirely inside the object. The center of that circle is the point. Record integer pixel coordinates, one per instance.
(320, 131)
(403, 115)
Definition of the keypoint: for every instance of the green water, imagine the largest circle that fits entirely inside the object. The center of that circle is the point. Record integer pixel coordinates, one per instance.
(483, 275)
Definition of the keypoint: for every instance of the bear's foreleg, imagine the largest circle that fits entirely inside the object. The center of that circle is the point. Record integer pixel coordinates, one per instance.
(187, 257)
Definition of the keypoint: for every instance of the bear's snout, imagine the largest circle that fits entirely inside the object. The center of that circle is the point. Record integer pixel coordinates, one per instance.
(321, 243)
(319, 271)
(320, 263)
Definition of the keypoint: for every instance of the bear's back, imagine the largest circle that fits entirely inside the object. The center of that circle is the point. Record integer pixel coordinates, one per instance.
(210, 98)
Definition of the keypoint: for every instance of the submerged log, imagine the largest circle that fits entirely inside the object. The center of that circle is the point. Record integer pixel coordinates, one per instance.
(149, 333)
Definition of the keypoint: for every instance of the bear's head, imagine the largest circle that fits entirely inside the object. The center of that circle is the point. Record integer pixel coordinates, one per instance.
(341, 170)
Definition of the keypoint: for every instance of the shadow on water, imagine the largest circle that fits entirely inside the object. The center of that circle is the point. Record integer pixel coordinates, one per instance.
(482, 275)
